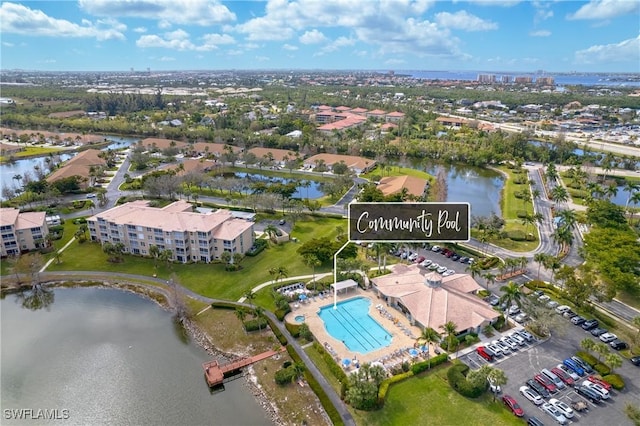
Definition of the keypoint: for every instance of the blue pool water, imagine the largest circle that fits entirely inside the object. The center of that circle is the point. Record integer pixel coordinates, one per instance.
(352, 324)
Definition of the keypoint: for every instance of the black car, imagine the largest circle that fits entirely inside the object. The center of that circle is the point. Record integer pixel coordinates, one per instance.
(588, 393)
(538, 388)
(589, 324)
(597, 332)
(618, 345)
(533, 421)
(463, 259)
(455, 257)
(582, 363)
(636, 361)
(569, 314)
(577, 320)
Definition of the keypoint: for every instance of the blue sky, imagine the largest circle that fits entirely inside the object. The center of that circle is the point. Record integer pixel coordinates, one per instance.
(490, 35)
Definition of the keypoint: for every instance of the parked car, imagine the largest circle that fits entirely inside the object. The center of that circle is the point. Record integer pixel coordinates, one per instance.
(507, 341)
(562, 309)
(635, 361)
(514, 309)
(455, 257)
(527, 336)
(433, 266)
(522, 317)
(513, 405)
(555, 379)
(420, 259)
(425, 263)
(448, 272)
(546, 382)
(518, 338)
(552, 304)
(563, 407)
(436, 249)
(493, 387)
(584, 364)
(588, 393)
(544, 298)
(495, 349)
(618, 345)
(493, 300)
(91, 195)
(577, 320)
(569, 314)
(463, 259)
(577, 368)
(589, 324)
(598, 388)
(608, 337)
(531, 395)
(566, 378)
(506, 350)
(601, 382)
(575, 376)
(538, 388)
(597, 332)
(441, 269)
(483, 353)
(534, 421)
(413, 256)
(551, 410)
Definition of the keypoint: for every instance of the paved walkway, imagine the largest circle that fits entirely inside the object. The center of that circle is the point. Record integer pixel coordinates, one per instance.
(288, 279)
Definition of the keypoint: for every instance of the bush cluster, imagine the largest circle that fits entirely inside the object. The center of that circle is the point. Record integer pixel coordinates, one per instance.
(587, 357)
(259, 245)
(255, 324)
(457, 376)
(335, 369)
(602, 369)
(421, 366)
(386, 384)
(517, 235)
(294, 329)
(488, 262)
(285, 376)
(615, 381)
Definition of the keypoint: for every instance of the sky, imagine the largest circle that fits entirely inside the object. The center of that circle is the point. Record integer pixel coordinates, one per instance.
(455, 35)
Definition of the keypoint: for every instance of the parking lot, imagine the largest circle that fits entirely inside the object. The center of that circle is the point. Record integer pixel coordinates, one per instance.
(530, 359)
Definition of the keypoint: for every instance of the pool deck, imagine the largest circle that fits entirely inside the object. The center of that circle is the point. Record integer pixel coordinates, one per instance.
(399, 342)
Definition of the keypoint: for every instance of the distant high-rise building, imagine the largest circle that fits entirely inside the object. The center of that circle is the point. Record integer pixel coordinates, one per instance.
(524, 79)
(486, 78)
(545, 81)
(506, 79)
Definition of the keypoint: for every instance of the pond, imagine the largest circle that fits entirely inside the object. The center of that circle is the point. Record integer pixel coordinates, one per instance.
(111, 357)
(312, 191)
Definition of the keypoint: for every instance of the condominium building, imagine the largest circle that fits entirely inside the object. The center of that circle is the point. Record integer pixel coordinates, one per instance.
(190, 236)
(22, 231)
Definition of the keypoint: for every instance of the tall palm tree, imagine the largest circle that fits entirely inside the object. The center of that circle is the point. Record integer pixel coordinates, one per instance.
(271, 231)
(450, 329)
(490, 279)
(540, 258)
(430, 336)
(568, 217)
(563, 236)
(281, 272)
(559, 195)
(588, 344)
(554, 264)
(312, 260)
(511, 294)
(249, 296)
(631, 188)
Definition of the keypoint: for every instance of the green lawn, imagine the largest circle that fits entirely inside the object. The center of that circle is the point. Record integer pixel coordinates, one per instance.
(33, 151)
(398, 171)
(429, 400)
(209, 279)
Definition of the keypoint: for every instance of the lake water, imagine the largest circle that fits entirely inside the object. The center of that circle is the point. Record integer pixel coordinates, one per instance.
(312, 192)
(111, 357)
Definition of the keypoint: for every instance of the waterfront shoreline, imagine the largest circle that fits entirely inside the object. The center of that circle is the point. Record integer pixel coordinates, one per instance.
(194, 331)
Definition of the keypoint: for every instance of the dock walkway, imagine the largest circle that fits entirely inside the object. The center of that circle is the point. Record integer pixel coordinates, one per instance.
(214, 372)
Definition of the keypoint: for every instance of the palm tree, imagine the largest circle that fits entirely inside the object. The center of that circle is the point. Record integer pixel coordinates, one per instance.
(632, 188)
(474, 269)
(272, 232)
(563, 236)
(497, 378)
(241, 314)
(559, 195)
(601, 349)
(613, 360)
(540, 258)
(511, 294)
(249, 296)
(258, 312)
(430, 336)
(568, 217)
(312, 260)
(588, 344)
(450, 329)
(281, 272)
(490, 279)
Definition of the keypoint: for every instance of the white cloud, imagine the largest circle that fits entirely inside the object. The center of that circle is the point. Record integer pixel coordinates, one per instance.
(312, 37)
(19, 19)
(7, 44)
(606, 9)
(625, 51)
(337, 44)
(262, 58)
(395, 61)
(462, 20)
(192, 12)
(140, 30)
(502, 3)
(540, 33)
(235, 52)
(287, 46)
(180, 40)
(166, 59)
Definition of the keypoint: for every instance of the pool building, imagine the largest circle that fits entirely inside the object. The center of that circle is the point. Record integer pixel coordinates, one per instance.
(428, 299)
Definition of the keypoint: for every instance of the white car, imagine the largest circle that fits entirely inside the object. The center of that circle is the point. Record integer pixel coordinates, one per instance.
(552, 304)
(562, 309)
(597, 388)
(494, 388)
(564, 408)
(495, 349)
(553, 411)
(442, 269)
(544, 298)
(506, 350)
(531, 395)
(426, 263)
(608, 337)
(512, 345)
(435, 248)
(569, 372)
(518, 338)
(413, 256)
(448, 272)
(514, 309)
(520, 318)
(524, 333)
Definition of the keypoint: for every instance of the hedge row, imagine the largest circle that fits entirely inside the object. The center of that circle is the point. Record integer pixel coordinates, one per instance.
(421, 366)
(386, 384)
(335, 369)
(281, 338)
(488, 262)
(258, 246)
(255, 324)
(457, 376)
(614, 380)
(587, 357)
(294, 329)
(224, 305)
(602, 369)
(328, 406)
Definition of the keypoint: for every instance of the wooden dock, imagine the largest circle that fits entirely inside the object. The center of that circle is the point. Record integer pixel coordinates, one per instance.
(214, 373)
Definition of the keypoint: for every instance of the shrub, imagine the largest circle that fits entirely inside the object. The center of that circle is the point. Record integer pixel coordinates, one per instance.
(602, 369)
(56, 228)
(488, 262)
(285, 375)
(517, 235)
(335, 369)
(484, 293)
(280, 314)
(255, 324)
(258, 246)
(587, 357)
(386, 384)
(281, 338)
(421, 366)
(294, 329)
(615, 381)
(457, 376)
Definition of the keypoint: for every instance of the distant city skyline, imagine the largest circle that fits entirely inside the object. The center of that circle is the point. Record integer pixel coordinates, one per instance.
(475, 35)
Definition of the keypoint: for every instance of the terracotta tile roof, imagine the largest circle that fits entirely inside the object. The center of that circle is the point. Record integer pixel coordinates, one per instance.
(448, 299)
(79, 165)
(8, 216)
(393, 184)
(278, 154)
(395, 114)
(30, 220)
(376, 112)
(213, 148)
(359, 110)
(352, 161)
(162, 143)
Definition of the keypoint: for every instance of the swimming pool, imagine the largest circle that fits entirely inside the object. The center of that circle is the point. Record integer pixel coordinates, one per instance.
(352, 324)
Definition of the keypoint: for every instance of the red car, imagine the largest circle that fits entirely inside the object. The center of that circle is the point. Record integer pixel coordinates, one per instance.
(484, 354)
(601, 382)
(563, 376)
(510, 402)
(546, 382)
(420, 259)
